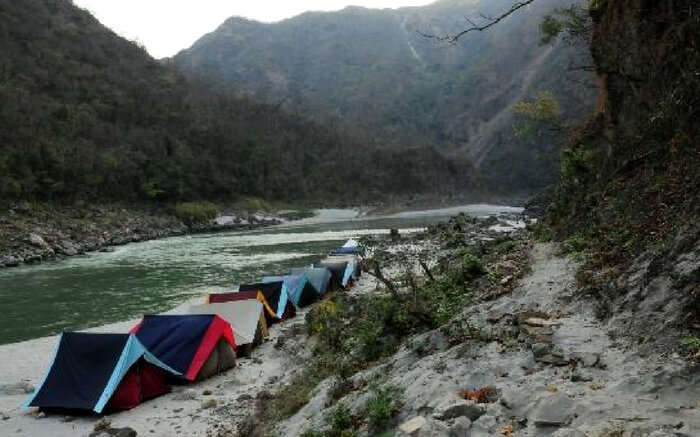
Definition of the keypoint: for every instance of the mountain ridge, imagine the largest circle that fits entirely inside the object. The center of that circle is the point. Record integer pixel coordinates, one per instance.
(373, 70)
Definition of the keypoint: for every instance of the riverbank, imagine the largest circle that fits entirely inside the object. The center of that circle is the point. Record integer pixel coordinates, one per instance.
(36, 233)
(494, 338)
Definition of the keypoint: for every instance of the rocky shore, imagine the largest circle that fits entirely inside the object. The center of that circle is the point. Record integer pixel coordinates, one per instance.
(32, 235)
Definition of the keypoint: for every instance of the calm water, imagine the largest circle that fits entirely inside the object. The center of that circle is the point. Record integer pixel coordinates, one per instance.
(154, 276)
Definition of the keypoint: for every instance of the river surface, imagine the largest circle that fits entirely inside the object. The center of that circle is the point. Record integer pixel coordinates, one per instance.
(155, 276)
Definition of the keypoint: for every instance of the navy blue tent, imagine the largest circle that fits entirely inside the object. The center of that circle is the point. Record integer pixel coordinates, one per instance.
(95, 372)
(197, 346)
(276, 296)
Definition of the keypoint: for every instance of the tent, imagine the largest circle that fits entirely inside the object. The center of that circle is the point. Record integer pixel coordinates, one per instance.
(270, 314)
(342, 271)
(97, 372)
(353, 269)
(319, 278)
(275, 295)
(297, 288)
(351, 247)
(197, 346)
(245, 316)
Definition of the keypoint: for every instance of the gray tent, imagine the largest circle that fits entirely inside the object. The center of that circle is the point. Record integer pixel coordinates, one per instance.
(246, 318)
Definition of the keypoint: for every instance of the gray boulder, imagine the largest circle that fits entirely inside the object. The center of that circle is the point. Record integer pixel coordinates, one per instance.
(555, 410)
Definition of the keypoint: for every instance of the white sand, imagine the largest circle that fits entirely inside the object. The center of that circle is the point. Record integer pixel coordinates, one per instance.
(163, 416)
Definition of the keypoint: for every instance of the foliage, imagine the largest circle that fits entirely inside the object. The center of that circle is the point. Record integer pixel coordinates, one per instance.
(448, 97)
(542, 114)
(383, 406)
(692, 344)
(196, 212)
(86, 115)
(574, 22)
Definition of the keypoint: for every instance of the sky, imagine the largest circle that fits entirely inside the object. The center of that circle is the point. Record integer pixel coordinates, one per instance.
(165, 27)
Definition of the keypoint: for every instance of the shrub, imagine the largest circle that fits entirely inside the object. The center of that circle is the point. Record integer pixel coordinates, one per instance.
(383, 406)
(196, 212)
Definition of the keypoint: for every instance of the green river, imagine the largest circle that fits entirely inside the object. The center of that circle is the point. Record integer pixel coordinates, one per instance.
(155, 276)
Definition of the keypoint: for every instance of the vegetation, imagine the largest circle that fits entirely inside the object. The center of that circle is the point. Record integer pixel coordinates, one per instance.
(196, 212)
(383, 406)
(451, 97)
(350, 333)
(86, 115)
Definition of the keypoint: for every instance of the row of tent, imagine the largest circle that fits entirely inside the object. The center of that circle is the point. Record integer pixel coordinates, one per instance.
(111, 372)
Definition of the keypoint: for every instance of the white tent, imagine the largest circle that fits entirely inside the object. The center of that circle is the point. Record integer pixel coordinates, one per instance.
(245, 316)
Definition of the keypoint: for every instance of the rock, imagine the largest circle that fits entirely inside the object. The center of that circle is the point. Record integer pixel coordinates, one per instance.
(579, 376)
(10, 261)
(536, 321)
(206, 392)
(19, 388)
(394, 234)
(102, 424)
(540, 349)
(484, 427)
(113, 432)
(555, 410)
(124, 432)
(209, 403)
(460, 427)
(588, 359)
(186, 395)
(568, 432)
(5, 416)
(413, 426)
(451, 406)
(506, 280)
(37, 241)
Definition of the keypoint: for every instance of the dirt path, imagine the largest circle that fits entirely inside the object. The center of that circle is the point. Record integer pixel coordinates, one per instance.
(567, 378)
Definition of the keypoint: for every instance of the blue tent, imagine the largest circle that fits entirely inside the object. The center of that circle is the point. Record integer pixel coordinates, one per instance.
(94, 371)
(297, 287)
(319, 278)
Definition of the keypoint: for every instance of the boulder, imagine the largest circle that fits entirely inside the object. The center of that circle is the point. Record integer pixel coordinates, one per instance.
(413, 426)
(37, 240)
(555, 410)
(10, 261)
(484, 427)
(452, 406)
(460, 427)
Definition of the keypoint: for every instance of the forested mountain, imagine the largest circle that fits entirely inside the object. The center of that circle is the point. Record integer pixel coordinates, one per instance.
(85, 114)
(375, 71)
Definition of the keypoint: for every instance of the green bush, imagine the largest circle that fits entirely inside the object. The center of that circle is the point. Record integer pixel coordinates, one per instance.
(383, 406)
(196, 212)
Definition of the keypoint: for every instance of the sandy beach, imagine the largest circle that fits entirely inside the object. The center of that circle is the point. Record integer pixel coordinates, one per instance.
(188, 410)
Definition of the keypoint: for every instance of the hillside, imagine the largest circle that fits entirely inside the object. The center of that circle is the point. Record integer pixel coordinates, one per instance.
(374, 71)
(88, 116)
(627, 202)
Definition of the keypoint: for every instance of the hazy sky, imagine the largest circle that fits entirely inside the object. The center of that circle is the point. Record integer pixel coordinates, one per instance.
(168, 26)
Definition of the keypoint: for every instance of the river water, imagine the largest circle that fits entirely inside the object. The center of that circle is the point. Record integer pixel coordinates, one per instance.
(154, 276)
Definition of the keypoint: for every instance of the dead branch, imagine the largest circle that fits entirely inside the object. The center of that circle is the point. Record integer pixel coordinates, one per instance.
(426, 270)
(487, 22)
(377, 273)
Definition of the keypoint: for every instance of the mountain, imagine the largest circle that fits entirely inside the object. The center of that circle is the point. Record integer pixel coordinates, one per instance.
(88, 115)
(375, 70)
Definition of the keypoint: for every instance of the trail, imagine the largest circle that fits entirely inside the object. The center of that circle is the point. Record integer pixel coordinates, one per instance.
(568, 379)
